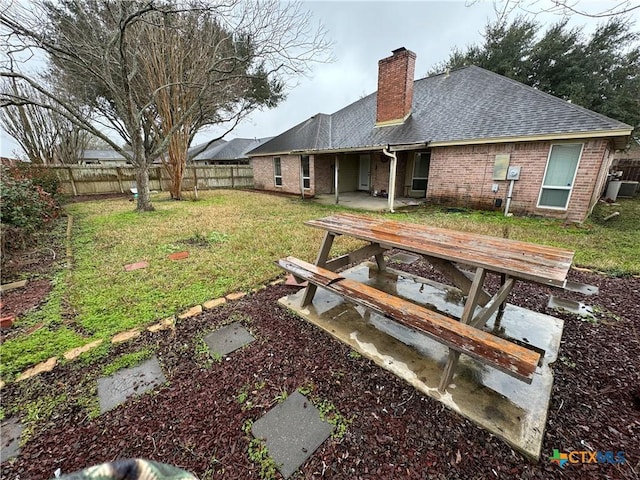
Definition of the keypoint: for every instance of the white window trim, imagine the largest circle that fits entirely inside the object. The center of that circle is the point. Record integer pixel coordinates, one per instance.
(413, 171)
(573, 180)
(302, 172)
(275, 177)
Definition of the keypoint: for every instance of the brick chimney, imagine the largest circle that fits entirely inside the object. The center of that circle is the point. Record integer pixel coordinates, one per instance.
(395, 87)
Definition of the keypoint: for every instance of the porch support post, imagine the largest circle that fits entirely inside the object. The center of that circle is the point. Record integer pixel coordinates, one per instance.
(335, 178)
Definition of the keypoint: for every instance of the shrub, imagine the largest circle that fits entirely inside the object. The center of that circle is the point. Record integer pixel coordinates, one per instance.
(25, 207)
(46, 179)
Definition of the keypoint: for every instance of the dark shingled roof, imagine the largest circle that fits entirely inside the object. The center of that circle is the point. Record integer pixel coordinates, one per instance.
(205, 146)
(467, 104)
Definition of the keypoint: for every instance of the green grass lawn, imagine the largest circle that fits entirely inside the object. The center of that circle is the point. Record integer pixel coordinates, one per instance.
(233, 238)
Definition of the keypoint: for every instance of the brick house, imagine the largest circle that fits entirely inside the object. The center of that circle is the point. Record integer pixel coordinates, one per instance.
(451, 139)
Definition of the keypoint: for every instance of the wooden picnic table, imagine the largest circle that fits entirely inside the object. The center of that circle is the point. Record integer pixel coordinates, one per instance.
(448, 251)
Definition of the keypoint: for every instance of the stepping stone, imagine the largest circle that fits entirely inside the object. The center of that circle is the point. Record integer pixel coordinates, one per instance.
(292, 430)
(581, 288)
(227, 339)
(179, 256)
(571, 306)
(135, 266)
(405, 258)
(10, 432)
(116, 389)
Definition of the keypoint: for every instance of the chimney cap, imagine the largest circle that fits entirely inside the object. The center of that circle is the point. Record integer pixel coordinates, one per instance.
(398, 50)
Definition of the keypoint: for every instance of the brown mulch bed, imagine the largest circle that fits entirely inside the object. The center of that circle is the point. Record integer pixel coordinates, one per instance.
(196, 421)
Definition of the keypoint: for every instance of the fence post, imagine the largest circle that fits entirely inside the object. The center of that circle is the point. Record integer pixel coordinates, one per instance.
(73, 183)
(119, 179)
(232, 179)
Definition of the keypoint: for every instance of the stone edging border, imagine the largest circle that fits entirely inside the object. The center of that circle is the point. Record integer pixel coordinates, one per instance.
(168, 323)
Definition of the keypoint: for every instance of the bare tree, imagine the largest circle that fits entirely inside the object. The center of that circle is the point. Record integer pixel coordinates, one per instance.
(44, 137)
(202, 51)
(98, 52)
(616, 8)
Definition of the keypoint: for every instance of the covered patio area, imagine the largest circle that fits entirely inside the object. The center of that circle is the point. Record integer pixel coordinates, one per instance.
(366, 201)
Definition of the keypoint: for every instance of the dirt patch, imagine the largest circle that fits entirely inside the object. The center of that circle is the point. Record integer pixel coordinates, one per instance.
(97, 197)
(196, 420)
(21, 300)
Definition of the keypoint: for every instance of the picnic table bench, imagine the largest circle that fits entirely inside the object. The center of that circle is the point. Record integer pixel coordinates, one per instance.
(447, 250)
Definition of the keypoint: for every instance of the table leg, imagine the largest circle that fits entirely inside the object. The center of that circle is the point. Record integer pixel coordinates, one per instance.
(470, 305)
(321, 261)
(456, 276)
(382, 265)
(496, 325)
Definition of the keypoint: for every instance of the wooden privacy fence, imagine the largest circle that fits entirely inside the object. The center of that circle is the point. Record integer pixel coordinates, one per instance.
(96, 179)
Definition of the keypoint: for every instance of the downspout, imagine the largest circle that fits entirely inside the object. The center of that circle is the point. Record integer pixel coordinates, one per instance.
(393, 165)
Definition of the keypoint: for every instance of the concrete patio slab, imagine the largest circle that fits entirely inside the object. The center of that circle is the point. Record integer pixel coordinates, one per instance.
(292, 430)
(572, 306)
(227, 339)
(365, 201)
(508, 408)
(10, 431)
(117, 388)
(581, 288)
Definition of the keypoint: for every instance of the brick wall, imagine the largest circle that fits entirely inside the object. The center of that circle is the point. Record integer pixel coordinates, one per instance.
(264, 179)
(462, 176)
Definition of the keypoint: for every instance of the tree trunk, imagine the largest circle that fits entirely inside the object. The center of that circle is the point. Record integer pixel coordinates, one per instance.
(142, 181)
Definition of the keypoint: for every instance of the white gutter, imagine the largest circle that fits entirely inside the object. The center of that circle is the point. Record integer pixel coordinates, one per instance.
(392, 176)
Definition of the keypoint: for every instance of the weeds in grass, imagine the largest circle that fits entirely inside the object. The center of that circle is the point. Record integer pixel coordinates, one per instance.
(92, 356)
(244, 395)
(204, 356)
(355, 355)
(90, 402)
(38, 412)
(565, 361)
(307, 388)
(259, 455)
(247, 425)
(329, 413)
(126, 361)
(281, 396)
(108, 234)
(212, 469)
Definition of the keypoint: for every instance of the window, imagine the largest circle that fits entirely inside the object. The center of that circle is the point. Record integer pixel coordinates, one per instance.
(277, 171)
(560, 175)
(420, 172)
(306, 176)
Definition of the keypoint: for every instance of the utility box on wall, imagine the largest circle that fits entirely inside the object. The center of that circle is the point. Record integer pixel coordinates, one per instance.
(513, 173)
(500, 166)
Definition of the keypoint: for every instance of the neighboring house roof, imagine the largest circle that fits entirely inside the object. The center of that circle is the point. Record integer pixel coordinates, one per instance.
(465, 106)
(205, 147)
(234, 149)
(107, 155)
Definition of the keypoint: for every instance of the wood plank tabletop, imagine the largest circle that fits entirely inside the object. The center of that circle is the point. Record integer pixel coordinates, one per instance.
(522, 260)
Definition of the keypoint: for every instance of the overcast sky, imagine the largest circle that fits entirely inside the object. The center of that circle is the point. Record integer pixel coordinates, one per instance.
(362, 33)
